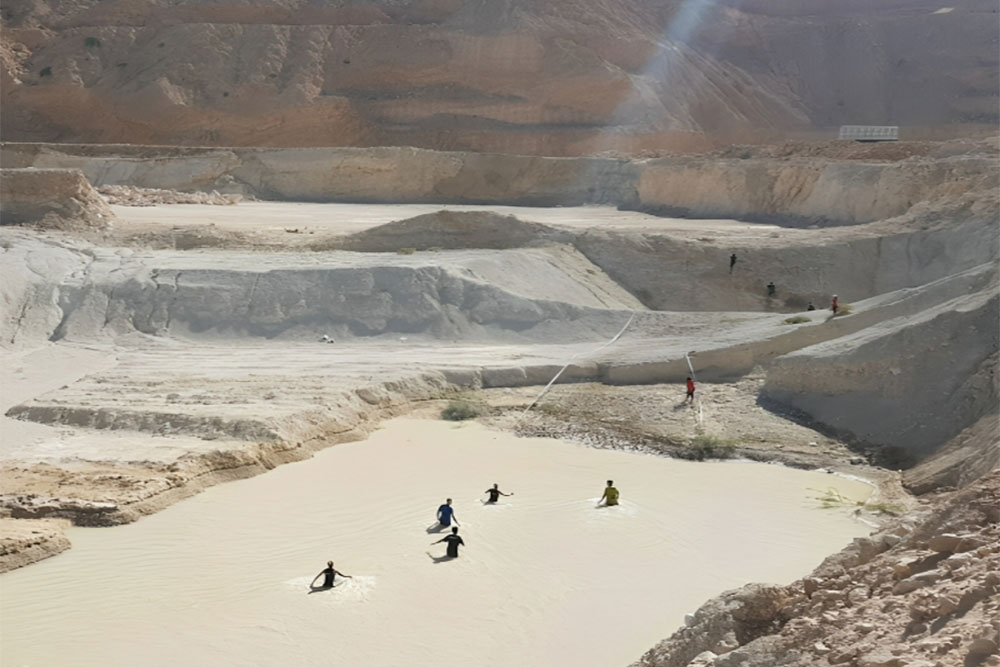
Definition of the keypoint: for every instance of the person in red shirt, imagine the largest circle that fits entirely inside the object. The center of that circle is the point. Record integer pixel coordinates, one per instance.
(834, 304)
(690, 391)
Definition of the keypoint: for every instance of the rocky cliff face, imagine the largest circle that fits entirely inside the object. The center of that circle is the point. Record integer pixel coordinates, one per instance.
(553, 78)
(793, 192)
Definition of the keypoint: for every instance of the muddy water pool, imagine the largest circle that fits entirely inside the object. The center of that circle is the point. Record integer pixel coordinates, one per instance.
(545, 577)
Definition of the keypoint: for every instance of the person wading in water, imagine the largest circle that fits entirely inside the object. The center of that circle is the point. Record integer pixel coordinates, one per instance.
(328, 575)
(610, 497)
(453, 541)
(495, 494)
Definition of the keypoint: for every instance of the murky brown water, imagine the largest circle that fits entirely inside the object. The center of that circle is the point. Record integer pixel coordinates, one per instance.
(545, 579)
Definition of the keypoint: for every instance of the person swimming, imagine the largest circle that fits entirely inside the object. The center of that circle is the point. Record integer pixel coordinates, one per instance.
(328, 575)
(495, 494)
(610, 497)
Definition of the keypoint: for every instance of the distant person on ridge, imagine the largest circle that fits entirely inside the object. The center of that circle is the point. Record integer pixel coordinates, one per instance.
(453, 541)
(732, 262)
(610, 497)
(834, 305)
(446, 513)
(690, 390)
(771, 289)
(810, 306)
(495, 494)
(328, 575)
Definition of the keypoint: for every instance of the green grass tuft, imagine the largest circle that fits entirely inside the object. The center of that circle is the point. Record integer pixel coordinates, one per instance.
(833, 499)
(709, 447)
(457, 411)
(798, 319)
(91, 42)
(844, 309)
(406, 251)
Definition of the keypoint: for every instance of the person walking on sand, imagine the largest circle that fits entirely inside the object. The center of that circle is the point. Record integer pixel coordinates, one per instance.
(610, 497)
(732, 262)
(328, 575)
(446, 513)
(834, 305)
(453, 541)
(771, 289)
(495, 494)
(690, 391)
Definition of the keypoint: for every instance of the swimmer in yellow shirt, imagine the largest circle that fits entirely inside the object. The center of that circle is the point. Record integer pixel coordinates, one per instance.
(610, 496)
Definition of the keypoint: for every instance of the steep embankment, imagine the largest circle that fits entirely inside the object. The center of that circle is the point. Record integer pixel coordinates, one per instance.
(565, 79)
(904, 386)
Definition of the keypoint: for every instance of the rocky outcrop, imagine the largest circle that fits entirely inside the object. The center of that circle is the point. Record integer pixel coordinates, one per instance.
(53, 197)
(126, 195)
(514, 77)
(923, 591)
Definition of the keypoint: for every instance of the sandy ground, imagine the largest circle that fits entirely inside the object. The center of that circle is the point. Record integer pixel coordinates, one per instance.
(545, 578)
(294, 223)
(34, 372)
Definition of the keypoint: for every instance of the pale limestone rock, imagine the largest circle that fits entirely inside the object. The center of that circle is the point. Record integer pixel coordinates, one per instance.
(880, 657)
(982, 646)
(703, 659)
(946, 605)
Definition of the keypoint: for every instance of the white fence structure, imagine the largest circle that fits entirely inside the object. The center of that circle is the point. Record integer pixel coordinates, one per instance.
(870, 132)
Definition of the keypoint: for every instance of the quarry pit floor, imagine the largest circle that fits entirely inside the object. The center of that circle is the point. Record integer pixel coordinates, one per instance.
(102, 430)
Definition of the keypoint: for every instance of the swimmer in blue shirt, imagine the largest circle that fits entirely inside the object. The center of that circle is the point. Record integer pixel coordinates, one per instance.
(446, 513)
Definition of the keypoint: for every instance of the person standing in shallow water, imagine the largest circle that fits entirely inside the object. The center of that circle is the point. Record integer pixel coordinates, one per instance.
(328, 574)
(453, 541)
(495, 494)
(446, 513)
(610, 497)
(732, 262)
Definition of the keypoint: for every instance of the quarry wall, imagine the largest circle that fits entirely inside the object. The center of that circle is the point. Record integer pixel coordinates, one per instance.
(806, 190)
(795, 192)
(667, 273)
